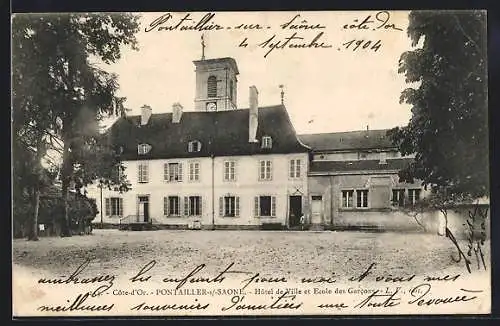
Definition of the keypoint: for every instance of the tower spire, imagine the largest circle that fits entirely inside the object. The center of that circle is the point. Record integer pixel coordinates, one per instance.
(202, 46)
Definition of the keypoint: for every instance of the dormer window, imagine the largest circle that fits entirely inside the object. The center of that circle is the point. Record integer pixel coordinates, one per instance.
(267, 142)
(143, 149)
(194, 146)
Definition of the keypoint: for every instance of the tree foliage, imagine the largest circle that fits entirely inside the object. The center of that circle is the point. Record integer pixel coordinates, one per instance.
(60, 93)
(448, 130)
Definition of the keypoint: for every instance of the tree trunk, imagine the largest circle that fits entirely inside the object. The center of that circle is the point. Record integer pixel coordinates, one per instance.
(33, 221)
(66, 178)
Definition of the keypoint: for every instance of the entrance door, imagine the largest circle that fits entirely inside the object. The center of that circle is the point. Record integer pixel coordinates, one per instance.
(144, 208)
(295, 210)
(316, 209)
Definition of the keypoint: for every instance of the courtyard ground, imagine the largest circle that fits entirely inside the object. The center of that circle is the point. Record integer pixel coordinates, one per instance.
(269, 252)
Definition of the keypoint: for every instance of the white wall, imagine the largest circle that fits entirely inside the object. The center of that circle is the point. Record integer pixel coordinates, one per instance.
(246, 186)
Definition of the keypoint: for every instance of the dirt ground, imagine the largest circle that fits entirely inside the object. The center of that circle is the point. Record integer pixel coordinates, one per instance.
(269, 252)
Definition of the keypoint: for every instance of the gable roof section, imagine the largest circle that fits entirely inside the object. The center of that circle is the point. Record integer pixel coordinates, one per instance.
(223, 133)
(362, 165)
(350, 140)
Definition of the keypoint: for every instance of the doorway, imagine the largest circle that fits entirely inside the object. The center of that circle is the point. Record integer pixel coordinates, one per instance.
(295, 210)
(143, 209)
(316, 209)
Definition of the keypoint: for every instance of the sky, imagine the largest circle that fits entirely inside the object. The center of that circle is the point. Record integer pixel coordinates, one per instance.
(326, 89)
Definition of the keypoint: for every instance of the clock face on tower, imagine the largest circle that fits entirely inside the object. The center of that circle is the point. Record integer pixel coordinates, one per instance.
(211, 106)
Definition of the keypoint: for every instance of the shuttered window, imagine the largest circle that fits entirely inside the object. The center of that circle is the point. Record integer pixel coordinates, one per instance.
(265, 206)
(114, 206)
(229, 206)
(192, 205)
(212, 86)
(172, 206)
(143, 173)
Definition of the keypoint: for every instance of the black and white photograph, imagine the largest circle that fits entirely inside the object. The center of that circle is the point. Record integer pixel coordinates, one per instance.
(272, 163)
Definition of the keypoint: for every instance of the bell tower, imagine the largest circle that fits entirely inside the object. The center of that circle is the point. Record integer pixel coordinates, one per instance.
(216, 84)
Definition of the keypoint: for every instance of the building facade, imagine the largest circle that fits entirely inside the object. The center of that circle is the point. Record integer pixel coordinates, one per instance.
(215, 167)
(354, 184)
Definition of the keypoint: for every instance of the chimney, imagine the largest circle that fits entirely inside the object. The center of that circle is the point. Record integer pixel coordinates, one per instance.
(253, 114)
(145, 114)
(176, 112)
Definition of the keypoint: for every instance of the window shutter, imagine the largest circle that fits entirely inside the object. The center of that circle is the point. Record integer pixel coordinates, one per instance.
(221, 206)
(237, 206)
(256, 206)
(186, 206)
(298, 168)
(165, 172)
(260, 170)
(200, 206)
(190, 146)
(292, 168)
(145, 172)
(108, 207)
(270, 170)
(121, 206)
(180, 172)
(139, 173)
(165, 206)
(273, 206)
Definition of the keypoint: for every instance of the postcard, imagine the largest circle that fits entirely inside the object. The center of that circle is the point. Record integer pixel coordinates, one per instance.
(250, 163)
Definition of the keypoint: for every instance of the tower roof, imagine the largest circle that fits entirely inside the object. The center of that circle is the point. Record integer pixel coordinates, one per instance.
(208, 62)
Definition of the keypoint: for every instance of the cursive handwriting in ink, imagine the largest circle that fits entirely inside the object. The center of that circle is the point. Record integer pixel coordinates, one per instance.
(74, 278)
(461, 254)
(319, 279)
(394, 279)
(422, 296)
(186, 23)
(474, 241)
(146, 268)
(284, 301)
(256, 278)
(380, 300)
(380, 21)
(447, 277)
(171, 306)
(362, 276)
(362, 44)
(337, 306)
(77, 305)
(293, 42)
(295, 24)
(191, 279)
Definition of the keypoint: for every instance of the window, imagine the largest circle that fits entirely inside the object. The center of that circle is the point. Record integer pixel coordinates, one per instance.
(398, 197)
(361, 198)
(414, 195)
(114, 206)
(194, 171)
(143, 149)
(265, 170)
(172, 206)
(229, 206)
(212, 86)
(143, 173)
(294, 168)
(172, 172)
(192, 206)
(229, 170)
(265, 206)
(347, 198)
(267, 142)
(194, 146)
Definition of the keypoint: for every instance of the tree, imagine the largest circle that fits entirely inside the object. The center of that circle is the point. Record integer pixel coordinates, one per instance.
(59, 93)
(448, 129)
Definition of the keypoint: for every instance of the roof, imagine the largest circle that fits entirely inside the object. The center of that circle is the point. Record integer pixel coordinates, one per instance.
(362, 165)
(359, 140)
(223, 133)
(231, 61)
